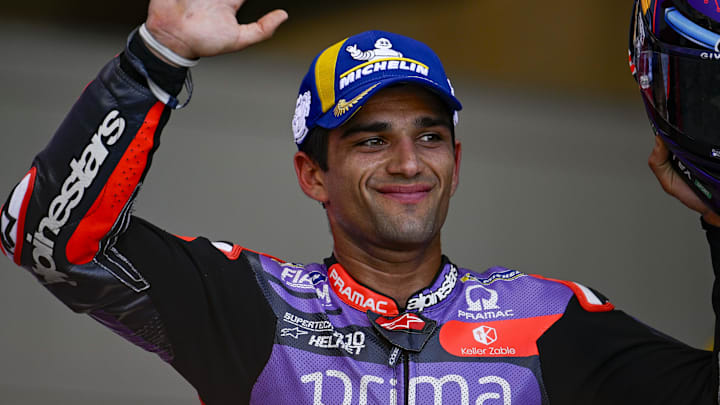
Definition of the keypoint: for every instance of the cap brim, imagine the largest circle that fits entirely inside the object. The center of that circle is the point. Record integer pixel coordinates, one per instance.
(343, 110)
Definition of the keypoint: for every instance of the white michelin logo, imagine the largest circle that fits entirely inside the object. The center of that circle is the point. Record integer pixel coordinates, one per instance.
(302, 110)
(383, 49)
(482, 303)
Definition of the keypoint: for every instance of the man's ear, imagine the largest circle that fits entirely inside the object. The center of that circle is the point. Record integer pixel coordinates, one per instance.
(311, 177)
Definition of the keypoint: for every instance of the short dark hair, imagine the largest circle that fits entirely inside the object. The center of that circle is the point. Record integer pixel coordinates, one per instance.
(315, 146)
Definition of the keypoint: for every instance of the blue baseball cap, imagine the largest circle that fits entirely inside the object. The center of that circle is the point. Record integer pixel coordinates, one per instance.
(345, 75)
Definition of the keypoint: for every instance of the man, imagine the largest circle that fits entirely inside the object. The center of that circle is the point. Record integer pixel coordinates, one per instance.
(387, 318)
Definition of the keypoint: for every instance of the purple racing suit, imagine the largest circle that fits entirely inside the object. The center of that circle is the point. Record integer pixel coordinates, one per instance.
(244, 327)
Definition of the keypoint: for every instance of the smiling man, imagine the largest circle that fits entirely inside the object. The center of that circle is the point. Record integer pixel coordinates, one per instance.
(391, 171)
(386, 319)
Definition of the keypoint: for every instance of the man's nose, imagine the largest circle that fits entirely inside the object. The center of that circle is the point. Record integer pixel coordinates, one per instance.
(405, 160)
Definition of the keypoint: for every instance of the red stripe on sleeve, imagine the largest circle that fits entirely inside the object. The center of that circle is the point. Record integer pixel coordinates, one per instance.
(580, 294)
(85, 241)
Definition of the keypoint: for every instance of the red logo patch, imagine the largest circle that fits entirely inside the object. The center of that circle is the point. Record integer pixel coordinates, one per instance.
(405, 321)
(358, 296)
(507, 338)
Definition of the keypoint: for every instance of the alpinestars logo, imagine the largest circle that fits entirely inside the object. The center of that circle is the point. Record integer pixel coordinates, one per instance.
(292, 332)
(485, 334)
(422, 301)
(405, 321)
(84, 169)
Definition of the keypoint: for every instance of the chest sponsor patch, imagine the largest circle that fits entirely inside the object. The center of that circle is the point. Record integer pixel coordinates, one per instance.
(407, 321)
(506, 338)
(410, 331)
(358, 296)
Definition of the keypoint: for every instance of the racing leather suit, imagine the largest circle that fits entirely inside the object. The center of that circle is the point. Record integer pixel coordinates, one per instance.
(244, 327)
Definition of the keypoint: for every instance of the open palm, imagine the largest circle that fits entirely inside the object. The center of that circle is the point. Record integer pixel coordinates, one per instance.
(197, 28)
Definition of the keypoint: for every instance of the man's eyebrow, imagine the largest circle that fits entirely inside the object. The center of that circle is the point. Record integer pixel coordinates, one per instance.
(369, 127)
(427, 122)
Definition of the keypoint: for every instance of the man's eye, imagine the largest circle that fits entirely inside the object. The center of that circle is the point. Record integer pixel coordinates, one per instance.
(430, 137)
(372, 142)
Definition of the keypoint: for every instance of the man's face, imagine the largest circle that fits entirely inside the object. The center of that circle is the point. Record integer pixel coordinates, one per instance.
(392, 170)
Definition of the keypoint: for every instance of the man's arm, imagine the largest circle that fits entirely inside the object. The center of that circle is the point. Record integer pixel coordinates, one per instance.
(68, 220)
(611, 358)
(74, 202)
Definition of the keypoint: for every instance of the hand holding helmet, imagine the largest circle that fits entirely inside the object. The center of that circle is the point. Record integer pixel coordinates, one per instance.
(674, 58)
(671, 181)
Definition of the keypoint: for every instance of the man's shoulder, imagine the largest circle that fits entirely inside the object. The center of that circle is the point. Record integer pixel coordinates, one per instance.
(502, 286)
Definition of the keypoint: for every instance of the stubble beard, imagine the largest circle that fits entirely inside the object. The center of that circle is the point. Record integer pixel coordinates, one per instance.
(406, 229)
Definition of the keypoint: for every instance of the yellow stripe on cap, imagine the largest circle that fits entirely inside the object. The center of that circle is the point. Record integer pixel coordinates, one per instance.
(325, 75)
(645, 5)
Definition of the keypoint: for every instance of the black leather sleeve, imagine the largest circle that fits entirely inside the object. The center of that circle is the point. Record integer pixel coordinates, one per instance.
(220, 326)
(610, 358)
(69, 222)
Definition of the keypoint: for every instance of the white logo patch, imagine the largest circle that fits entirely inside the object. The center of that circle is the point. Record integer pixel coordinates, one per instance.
(450, 388)
(423, 301)
(292, 332)
(482, 303)
(302, 110)
(382, 58)
(485, 334)
(83, 171)
(10, 215)
(383, 49)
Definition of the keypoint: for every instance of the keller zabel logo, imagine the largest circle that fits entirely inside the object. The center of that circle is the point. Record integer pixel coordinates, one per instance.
(485, 334)
(84, 169)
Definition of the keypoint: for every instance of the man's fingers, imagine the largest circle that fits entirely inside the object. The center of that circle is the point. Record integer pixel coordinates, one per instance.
(262, 29)
(659, 162)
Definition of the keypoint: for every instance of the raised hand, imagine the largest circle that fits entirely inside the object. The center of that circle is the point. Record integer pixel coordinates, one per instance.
(197, 28)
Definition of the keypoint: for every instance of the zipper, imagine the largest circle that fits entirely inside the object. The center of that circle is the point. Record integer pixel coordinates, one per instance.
(406, 376)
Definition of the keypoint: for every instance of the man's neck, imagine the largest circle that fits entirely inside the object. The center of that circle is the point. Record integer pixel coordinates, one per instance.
(395, 273)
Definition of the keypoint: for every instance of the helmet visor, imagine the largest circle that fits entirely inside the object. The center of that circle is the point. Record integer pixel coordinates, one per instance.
(681, 84)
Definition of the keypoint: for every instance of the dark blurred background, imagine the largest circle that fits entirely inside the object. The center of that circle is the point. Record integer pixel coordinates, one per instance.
(565, 45)
(554, 177)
